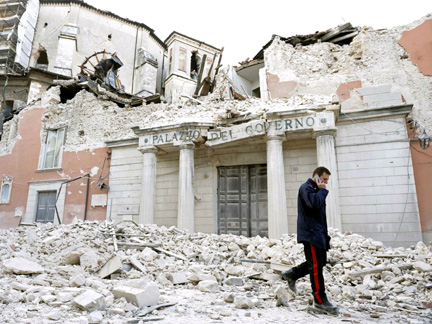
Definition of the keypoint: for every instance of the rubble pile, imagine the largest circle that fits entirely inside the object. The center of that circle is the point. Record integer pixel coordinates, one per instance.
(99, 272)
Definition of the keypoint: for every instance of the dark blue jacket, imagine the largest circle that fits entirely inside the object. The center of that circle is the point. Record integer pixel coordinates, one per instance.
(312, 220)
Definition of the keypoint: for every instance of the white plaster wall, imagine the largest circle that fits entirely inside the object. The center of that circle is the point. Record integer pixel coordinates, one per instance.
(239, 81)
(125, 182)
(177, 86)
(167, 182)
(300, 159)
(376, 183)
(205, 193)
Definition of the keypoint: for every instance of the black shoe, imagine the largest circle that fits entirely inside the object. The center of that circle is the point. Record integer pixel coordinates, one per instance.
(289, 276)
(326, 307)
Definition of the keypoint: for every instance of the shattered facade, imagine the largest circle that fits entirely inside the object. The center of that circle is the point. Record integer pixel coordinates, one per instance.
(228, 150)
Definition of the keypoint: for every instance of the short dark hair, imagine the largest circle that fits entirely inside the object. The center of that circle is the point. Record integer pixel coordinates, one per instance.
(320, 170)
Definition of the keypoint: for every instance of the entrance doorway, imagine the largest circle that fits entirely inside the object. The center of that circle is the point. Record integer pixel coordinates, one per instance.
(242, 200)
(46, 206)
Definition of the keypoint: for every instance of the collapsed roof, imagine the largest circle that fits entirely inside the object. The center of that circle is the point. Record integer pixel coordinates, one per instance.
(340, 35)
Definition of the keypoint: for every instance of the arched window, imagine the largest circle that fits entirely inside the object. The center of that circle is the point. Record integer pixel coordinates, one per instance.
(5, 189)
(42, 61)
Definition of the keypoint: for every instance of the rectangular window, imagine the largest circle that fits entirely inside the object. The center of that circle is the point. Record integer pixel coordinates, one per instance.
(182, 59)
(6, 187)
(51, 152)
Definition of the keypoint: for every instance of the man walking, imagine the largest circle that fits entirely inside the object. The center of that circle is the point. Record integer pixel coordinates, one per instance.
(312, 232)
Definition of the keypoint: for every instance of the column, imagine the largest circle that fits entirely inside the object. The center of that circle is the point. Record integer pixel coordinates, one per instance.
(148, 184)
(186, 215)
(277, 208)
(326, 155)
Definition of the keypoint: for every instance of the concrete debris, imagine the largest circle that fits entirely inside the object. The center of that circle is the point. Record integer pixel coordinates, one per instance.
(243, 302)
(113, 265)
(178, 278)
(148, 296)
(21, 266)
(90, 301)
(42, 282)
(208, 286)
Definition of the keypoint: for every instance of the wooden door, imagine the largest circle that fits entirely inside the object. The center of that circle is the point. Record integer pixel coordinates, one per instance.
(46, 207)
(242, 200)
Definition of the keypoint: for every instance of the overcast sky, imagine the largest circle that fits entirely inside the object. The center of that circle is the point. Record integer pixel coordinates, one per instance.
(243, 27)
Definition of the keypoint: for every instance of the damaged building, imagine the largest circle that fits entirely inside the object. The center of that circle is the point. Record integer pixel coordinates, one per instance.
(181, 141)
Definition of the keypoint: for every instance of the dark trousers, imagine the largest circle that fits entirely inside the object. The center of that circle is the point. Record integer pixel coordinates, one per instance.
(316, 259)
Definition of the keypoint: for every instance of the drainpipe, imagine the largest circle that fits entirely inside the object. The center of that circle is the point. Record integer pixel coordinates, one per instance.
(87, 196)
(162, 75)
(134, 63)
(4, 105)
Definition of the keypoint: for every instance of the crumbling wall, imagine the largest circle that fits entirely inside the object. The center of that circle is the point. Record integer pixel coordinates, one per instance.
(374, 58)
(96, 32)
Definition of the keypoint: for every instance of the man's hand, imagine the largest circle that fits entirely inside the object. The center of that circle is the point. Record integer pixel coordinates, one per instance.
(321, 185)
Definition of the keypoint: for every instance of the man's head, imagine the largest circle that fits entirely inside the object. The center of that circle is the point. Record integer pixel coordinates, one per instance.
(323, 173)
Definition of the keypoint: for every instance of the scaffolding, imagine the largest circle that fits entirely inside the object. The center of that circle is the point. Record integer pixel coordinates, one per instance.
(10, 15)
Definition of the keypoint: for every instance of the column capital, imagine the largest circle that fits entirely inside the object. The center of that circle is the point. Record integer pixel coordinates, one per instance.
(275, 137)
(325, 131)
(187, 146)
(147, 149)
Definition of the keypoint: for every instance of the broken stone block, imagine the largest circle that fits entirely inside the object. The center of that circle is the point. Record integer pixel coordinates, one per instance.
(243, 302)
(421, 266)
(228, 297)
(138, 265)
(233, 247)
(236, 271)
(208, 286)
(139, 296)
(234, 281)
(148, 254)
(22, 266)
(90, 259)
(197, 277)
(283, 296)
(113, 265)
(78, 280)
(271, 277)
(55, 315)
(95, 317)
(90, 301)
(73, 257)
(48, 299)
(369, 282)
(177, 278)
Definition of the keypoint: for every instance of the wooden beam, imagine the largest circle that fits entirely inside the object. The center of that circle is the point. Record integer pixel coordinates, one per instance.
(334, 32)
(198, 87)
(379, 270)
(350, 35)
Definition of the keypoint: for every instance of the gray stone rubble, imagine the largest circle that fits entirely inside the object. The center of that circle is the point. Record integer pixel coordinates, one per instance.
(76, 274)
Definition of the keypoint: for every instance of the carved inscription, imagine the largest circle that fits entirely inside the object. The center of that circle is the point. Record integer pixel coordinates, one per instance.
(259, 128)
(173, 137)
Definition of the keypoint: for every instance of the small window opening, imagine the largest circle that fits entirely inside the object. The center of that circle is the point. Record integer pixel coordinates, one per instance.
(5, 192)
(109, 36)
(195, 65)
(5, 189)
(256, 93)
(42, 61)
(45, 25)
